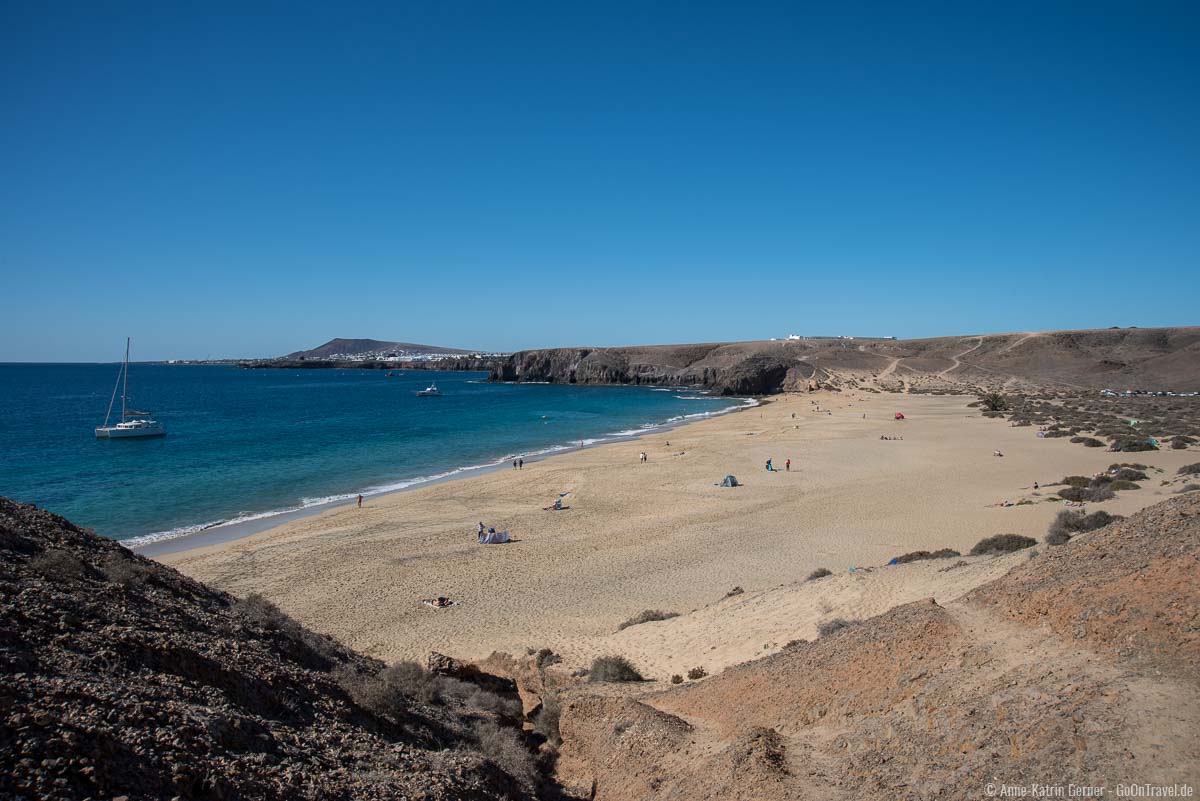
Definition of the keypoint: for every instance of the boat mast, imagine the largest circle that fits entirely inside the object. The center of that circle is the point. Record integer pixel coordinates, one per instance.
(125, 379)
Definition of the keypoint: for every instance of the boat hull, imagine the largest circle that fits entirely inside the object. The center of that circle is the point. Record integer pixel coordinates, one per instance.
(112, 432)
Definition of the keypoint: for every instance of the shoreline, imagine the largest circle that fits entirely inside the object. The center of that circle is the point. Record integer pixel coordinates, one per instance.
(168, 542)
(662, 535)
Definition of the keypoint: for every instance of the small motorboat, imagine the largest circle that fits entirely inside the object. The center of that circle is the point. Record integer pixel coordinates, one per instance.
(429, 391)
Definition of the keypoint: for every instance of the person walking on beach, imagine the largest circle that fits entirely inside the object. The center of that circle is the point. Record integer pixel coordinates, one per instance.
(514, 464)
(520, 464)
(359, 501)
(788, 465)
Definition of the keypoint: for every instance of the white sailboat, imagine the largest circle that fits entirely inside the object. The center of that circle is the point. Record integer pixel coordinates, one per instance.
(140, 425)
(430, 391)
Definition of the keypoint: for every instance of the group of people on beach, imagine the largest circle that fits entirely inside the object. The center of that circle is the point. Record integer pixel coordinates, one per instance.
(518, 464)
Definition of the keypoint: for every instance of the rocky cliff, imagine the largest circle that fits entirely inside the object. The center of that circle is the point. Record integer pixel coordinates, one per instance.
(121, 677)
(1150, 358)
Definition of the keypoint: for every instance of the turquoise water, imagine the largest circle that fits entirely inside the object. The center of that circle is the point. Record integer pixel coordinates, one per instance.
(248, 443)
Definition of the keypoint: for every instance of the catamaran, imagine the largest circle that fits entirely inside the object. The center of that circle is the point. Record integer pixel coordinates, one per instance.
(140, 425)
(429, 391)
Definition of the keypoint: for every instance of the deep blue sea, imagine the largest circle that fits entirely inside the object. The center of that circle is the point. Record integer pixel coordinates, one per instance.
(247, 443)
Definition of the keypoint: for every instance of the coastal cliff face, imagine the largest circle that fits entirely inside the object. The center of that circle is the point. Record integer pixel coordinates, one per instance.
(729, 369)
(1149, 358)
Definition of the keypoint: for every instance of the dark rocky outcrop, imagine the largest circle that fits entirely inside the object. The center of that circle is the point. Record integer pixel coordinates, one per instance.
(121, 677)
(730, 369)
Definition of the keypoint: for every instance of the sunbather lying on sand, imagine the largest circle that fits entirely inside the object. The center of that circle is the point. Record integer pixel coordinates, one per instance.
(440, 602)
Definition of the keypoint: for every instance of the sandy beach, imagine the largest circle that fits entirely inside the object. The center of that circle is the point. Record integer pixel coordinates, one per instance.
(661, 535)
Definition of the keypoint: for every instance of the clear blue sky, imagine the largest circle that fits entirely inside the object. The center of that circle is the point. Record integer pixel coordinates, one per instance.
(250, 179)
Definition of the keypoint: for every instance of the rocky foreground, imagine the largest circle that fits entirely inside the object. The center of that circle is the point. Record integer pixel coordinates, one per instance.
(1081, 665)
(122, 677)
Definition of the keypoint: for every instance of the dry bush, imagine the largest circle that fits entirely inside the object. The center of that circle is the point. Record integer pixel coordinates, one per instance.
(734, 591)
(1002, 543)
(505, 748)
(545, 722)
(125, 570)
(676, 679)
(258, 610)
(647, 616)
(59, 565)
(1128, 474)
(831, 626)
(1087, 442)
(1076, 481)
(917, 556)
(697, 673)
(1187, 488)
(1189, 470)
(1068, 523)
(819, 573)
(390, 691)
(1093, 494)
(1132, 445)
(613, 668)
(1118, 485)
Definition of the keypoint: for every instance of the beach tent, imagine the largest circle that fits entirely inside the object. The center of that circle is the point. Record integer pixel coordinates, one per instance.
(899, 415)
(730, 481)
(493, 538)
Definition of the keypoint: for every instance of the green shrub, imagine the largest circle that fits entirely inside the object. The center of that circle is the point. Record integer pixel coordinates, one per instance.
(1119, 485)
(1002, 543)
(613, 668)
(994, 402)
(1076, 481)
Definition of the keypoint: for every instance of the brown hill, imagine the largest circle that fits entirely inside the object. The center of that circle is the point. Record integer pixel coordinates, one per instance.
(1079, 666)
(342, 348)
(1148, 358)
(122, 677)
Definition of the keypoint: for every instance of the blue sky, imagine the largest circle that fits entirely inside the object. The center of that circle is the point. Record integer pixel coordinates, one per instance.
(253, 178)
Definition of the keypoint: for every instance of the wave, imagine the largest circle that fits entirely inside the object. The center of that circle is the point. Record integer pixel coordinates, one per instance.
(397, 486)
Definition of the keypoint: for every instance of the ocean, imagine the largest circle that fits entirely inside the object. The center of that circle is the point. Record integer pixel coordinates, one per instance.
(251, 444)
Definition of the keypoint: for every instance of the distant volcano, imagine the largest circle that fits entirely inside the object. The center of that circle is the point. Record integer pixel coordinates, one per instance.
(343, 348)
